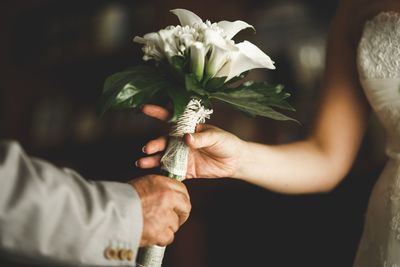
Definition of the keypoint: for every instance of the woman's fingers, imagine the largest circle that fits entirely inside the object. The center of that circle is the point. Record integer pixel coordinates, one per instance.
(152, 147)
(157, 145)
(205, 136)
(204, 126)
(148, 162)
(156, 112)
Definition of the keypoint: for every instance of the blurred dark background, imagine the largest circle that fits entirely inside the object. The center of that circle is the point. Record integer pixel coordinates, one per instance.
(55, 56)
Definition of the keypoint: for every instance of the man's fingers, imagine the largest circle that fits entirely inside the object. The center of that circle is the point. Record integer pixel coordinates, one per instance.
(165, 205)
(175, 222)
(183, 216)
(178, 186)
(179, 199)
(148, 162)
(182, 207)
(156, 112)
(166, 238)
(156, 145)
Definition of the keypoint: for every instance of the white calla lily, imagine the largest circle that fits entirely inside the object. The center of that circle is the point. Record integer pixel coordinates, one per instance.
(248, 57)
(186, 17)
(220, 48)
(213, 38)
(198, 53)
(225, 58)
(232, 28)
(218, 58)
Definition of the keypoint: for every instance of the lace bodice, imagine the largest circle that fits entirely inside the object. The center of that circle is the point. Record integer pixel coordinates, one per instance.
(379, 47)
(379, 71)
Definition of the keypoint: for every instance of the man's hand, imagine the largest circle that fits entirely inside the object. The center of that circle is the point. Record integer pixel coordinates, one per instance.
(166, 206)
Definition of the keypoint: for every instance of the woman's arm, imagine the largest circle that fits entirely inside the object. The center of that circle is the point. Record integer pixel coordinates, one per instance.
(320, 162)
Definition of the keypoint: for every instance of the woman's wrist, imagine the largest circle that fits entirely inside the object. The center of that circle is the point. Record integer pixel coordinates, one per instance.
(245, 160)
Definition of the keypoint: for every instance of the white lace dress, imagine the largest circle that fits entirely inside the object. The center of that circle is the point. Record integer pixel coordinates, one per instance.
(379, 70)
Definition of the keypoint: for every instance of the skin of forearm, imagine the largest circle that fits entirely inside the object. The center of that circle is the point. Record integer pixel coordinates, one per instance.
(321, 161)
(297, 168)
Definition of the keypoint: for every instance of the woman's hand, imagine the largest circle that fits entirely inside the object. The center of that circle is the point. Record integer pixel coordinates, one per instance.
(213, 152)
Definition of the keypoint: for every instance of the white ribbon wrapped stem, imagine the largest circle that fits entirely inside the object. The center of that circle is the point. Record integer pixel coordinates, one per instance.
(175, 158)
(174, 164)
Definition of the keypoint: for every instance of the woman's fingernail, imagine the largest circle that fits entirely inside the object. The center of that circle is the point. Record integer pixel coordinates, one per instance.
(137, 163)
(144, 149)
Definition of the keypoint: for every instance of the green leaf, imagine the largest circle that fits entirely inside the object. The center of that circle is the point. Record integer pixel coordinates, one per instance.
(192, 85)
(219, 83)
(178, 63)
(180, 99)
(112, 87)
(238, 78)
(146, 84)
(273, 95)
(137, 86)
(257, 99)
(215, 83)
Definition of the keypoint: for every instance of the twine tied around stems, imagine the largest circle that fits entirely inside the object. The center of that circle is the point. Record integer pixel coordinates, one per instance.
(175, 157)
(194, 114)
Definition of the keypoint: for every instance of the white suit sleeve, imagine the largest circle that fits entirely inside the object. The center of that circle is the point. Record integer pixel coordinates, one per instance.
(51, 216)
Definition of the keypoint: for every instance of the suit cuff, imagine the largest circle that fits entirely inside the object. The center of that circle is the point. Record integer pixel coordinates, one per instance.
(129, 209)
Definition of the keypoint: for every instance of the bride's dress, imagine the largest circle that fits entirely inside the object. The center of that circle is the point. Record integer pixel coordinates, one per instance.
(379, 70)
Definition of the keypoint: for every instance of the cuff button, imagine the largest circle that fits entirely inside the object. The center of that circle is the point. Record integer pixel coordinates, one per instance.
(110, 253)
(123, 254)
(130, 255)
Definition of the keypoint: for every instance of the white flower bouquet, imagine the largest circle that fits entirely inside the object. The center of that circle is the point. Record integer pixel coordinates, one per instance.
(195, 63)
